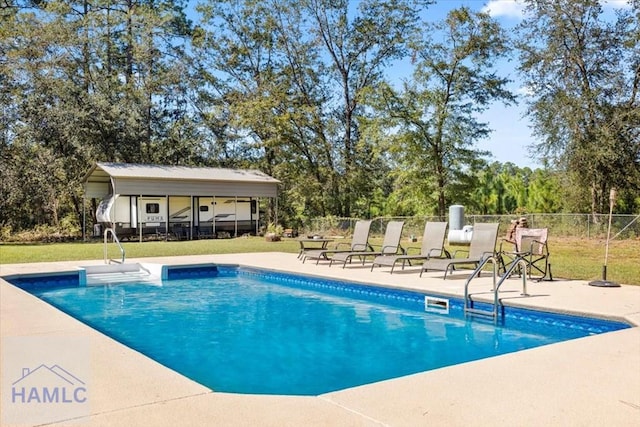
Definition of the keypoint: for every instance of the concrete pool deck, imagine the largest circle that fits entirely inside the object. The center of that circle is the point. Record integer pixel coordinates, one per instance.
(587, 381)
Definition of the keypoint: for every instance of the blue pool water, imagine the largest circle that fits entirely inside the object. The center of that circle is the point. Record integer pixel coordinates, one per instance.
(251, 331)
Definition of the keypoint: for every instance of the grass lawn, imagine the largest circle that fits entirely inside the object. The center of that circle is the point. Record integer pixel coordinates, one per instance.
(571, 258)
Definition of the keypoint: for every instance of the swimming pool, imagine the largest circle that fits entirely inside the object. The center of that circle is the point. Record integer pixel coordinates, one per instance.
(246, 330)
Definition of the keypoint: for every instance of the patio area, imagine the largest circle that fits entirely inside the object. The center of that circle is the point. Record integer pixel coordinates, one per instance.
(588, 381)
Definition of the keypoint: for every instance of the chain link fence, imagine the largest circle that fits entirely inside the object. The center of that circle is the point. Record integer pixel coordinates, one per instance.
(569, 225)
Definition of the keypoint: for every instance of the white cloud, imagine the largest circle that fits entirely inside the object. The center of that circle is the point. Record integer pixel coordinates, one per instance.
(515, 8)
(616, 4)
(525, 91)
(507, 8)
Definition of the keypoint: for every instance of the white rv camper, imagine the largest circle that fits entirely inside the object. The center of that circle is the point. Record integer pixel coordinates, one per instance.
(180, 201)
(209, 217)
(236, 216)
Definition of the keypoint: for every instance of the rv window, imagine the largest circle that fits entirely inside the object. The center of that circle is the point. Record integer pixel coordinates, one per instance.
(204, 208)
(153, 208)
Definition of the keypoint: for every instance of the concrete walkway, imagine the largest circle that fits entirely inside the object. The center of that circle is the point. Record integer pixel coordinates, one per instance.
(591, 381)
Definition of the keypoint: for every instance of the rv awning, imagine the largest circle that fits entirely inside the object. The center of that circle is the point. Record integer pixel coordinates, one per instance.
(158, 180)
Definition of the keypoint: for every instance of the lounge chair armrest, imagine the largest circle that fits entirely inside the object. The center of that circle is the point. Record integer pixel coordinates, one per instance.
(361, 248)
(395, 248)
(438, 253)
(367, 247)
(455, 254)
(510, 243)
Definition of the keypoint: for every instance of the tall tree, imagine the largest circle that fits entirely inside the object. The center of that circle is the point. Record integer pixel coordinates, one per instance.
(583, 73)
(245, 99)
(89, 80)
(545, 193)
(516, 182)
(436, 112)
(360, 44)
(288, 77)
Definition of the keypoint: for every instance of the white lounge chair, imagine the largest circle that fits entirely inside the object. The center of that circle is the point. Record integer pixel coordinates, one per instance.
(359, 242)
(390, 246)
(483, 244)
(432, 247)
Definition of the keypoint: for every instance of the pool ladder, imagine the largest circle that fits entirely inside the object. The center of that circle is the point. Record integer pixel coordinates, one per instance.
(111, 231)
(497, 305)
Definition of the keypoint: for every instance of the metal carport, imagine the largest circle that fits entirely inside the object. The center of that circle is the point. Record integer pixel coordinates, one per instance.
(137, 180)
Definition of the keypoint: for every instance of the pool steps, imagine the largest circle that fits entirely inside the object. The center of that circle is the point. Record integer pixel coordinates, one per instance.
(95, 275)
(497, 308)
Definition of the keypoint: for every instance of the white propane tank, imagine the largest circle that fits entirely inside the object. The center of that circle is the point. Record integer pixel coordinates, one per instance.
(458, 234)
(461, 237)
(456, 217)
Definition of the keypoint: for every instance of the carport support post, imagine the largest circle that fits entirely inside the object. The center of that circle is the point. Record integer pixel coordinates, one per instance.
(192, 220)
(84, 215)
(257, 204)
(166, 234)
(139, 217)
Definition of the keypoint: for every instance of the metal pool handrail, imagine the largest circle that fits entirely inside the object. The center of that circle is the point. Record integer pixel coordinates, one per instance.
(468, 303)
(117, 242)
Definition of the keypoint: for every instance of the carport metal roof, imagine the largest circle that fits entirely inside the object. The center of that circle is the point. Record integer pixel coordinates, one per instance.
(139, 179)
